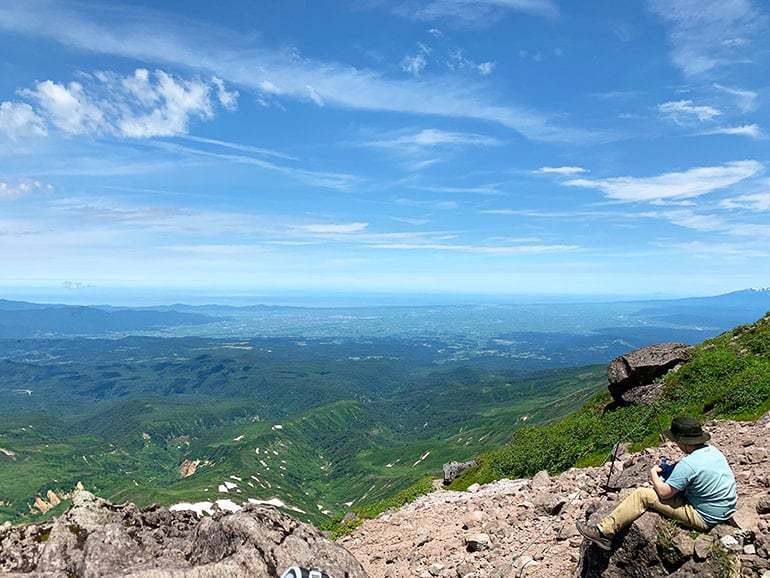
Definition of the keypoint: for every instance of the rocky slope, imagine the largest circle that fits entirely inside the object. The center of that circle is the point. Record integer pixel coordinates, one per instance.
(97, 539)
(480, 533)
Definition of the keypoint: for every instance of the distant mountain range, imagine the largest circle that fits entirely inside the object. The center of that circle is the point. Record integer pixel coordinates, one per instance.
(19, 319)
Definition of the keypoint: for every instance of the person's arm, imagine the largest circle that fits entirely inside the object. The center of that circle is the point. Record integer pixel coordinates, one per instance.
(664, 491)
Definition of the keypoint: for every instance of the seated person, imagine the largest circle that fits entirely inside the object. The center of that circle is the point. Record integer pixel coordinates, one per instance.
(700, 492)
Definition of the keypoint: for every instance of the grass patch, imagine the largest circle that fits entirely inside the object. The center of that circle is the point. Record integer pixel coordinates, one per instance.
(337, 528)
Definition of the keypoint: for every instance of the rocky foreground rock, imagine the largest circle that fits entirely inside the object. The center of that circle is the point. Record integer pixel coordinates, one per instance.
(97, 539)
(516, 528)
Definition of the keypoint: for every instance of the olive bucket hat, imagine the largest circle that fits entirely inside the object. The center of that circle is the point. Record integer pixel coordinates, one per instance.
(686, 430)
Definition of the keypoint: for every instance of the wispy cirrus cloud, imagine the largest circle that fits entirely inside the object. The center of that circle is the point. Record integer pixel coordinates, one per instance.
(436, 205)
(703, 249)
(427, 147)
(675, 185)
(685, 112)
(430, 138)
(480, 249)
(326, 179)
(758, 202)
(748, 130)
(332, 228)
(472, 12)
(490, 189)
(707, 34)
(565, 170)
(746, 100)
(153, 37)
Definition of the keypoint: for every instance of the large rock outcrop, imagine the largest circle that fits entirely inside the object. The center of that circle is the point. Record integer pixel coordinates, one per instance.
(453, 470)
(635, 377)
(97, 539)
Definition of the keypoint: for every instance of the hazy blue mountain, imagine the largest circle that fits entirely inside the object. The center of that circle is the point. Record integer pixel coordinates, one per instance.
(19, 319)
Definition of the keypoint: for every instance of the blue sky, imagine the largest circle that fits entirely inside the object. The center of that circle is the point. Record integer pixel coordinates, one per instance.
(470, 146)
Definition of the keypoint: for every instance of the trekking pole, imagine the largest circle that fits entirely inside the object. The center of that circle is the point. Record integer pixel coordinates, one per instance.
(612, 464)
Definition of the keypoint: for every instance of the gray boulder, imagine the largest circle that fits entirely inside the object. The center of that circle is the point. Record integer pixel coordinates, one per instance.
(634, 377)
(97, 539)
(452, 470)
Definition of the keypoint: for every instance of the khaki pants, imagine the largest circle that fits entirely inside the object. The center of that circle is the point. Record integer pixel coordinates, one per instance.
(643, 499)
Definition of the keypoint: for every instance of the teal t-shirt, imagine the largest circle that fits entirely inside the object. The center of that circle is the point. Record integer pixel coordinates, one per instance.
(708, 484)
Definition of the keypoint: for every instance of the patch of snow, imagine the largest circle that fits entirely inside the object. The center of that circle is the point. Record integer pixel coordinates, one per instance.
(422, 457)
(276, 502)
(228, 506)
(198, 507)
(277, 426)
(236, 478)
(239, 438)
(225, 487)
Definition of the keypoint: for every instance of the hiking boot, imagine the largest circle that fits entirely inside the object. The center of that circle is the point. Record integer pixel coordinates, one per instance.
(594, 534)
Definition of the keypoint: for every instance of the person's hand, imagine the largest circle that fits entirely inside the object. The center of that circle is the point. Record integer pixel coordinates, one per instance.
(655, 471)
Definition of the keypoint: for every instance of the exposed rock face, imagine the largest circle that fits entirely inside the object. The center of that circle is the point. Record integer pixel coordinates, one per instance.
(188, 468)
(452, 470)
(632, 377)
(97, 539)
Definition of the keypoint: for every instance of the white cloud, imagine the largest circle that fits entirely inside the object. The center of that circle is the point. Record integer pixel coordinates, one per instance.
(10, 191)
(458, 61)
(314, 96)
(67, 107)
(745, 99)
(18, 120)
(140, 105)
(685, 112)
(759, 202)
(749, 130)
(677, 185)
(706, 34)
(179, 100)
(223, 53)
(414, 64)
(486, 68)
(333, 228)
(227, 98)
(567, 170)
(691, 220)
(430, 137)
